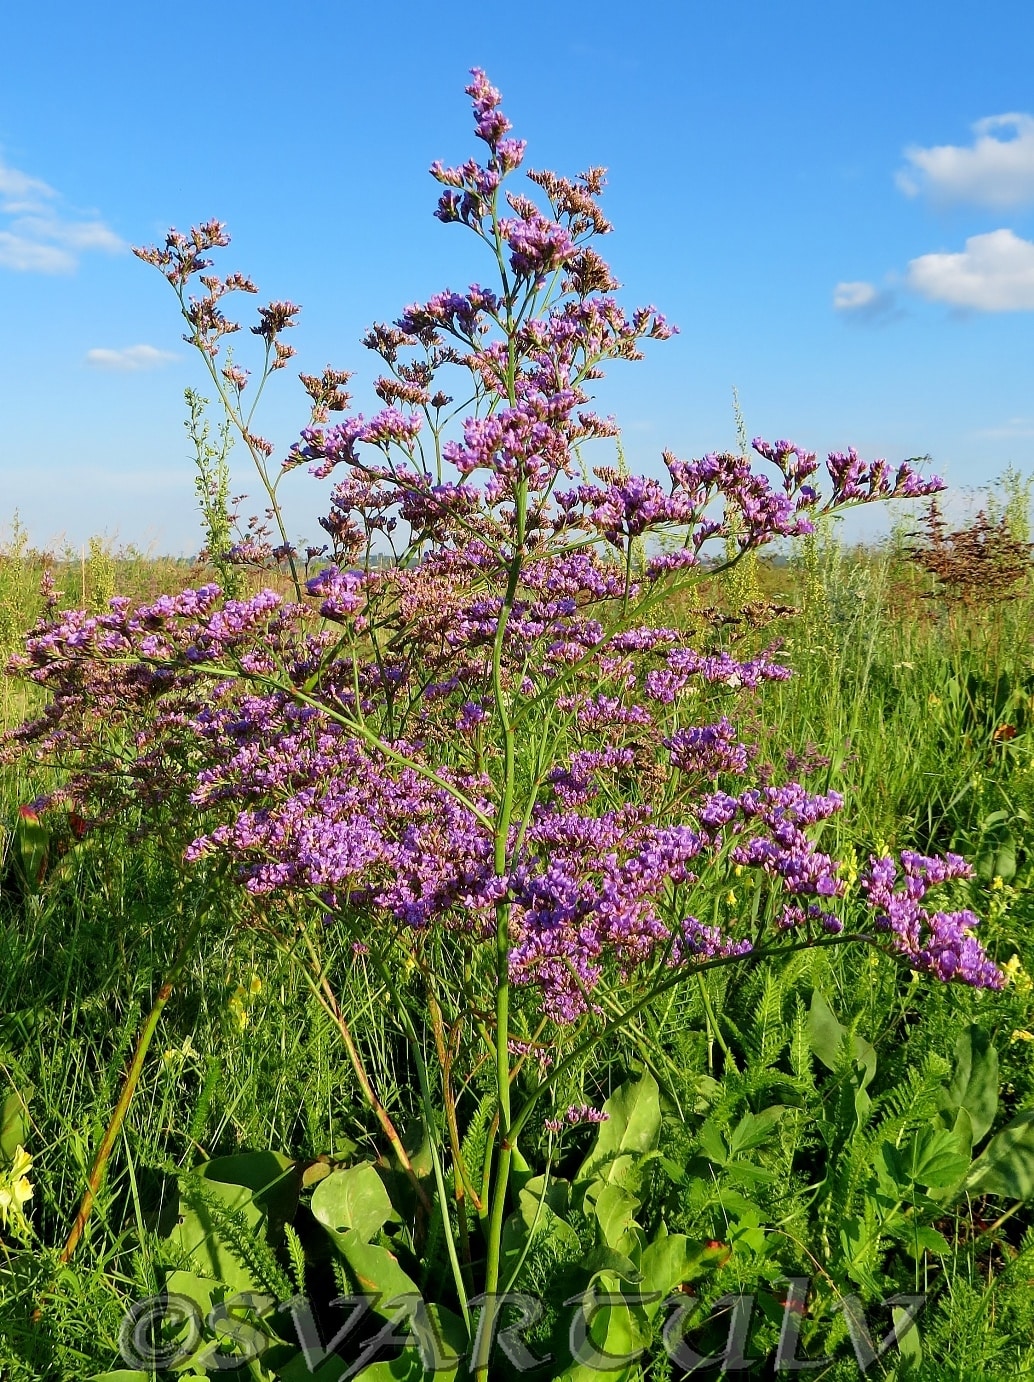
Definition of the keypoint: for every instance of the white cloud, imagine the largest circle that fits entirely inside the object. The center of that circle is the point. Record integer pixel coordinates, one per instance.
(74, 235)
(138, 357)
(29, 256)
(991, 171)
(40, 235)
(994, 273)
(19, 192)
(852, 297)
(863, 301)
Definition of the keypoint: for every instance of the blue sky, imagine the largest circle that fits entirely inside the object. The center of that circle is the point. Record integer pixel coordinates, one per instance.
(834, 202)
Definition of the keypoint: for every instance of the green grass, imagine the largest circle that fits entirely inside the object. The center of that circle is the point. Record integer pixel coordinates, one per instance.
(927, 719)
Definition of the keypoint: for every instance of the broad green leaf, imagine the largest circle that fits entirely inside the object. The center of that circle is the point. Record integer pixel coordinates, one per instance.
(1005, 859)
(996, 854)
(274, 1181)
(631, 1130)
(614, 1333)
(674, 1260)
(974, 1085)
(910, 1344)
(1006, 1166)
(201, 1234)
(751, 1238)
(605, 1261)
(248, 1324)
(330, 1367)
(14, 1123)
(260, 1172)
(421, 1158)
(539, 1217)
(737, 1206)
(931, 1157)
(675, 1173)
(202, 1290)
(746, 1173)
(862, 1105)
(314, 1172)
(852, 1237)
(520, 1170)
(962, 1129)
(374, 1268)
(556, 1202)
(937, 1160)
(354, 1199)
(615, 1209)
(826, 1036)
(753, 1129)
(708, 1091)
(712, 1143)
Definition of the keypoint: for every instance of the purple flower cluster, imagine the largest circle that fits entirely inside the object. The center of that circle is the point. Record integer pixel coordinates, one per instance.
(939, 943)
(708, 749)
(359, 750)
(575, 1115)
(684, 664)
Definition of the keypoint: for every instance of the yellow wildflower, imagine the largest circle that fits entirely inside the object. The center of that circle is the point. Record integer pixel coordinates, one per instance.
(15, 1189)
(1016, 974)
(850, 867)
(176, 1055)
(236, 1006)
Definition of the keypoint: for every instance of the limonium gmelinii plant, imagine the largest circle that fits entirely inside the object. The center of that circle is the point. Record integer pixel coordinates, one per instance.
(469, 740)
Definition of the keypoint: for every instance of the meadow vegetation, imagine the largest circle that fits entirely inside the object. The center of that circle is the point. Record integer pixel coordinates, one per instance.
(472, 922)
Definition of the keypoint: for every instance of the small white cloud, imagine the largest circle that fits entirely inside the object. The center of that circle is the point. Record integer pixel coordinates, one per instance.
(29, 256)
(19, 192)
(863, 301)
(138, 357)
(850, 297)
(40, 236)
(994, 273)
(991, 171)
(74, 235)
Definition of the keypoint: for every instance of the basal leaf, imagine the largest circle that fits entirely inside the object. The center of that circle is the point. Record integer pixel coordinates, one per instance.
(353, 1199)
(974, 1084)
(615, 1209)
(826, 1036)
(201, 1235)
(631, 1130)
(673, 1260)
(1006, 1166)
(14, 1123)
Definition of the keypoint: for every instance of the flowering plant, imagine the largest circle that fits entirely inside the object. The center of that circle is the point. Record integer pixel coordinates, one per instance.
(469, 739)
